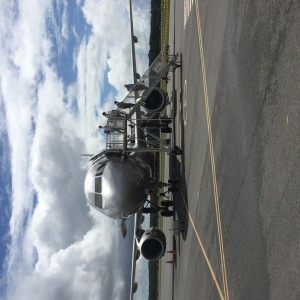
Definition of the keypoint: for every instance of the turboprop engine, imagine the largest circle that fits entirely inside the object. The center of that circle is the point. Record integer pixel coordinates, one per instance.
(152, 243)
(156, 101)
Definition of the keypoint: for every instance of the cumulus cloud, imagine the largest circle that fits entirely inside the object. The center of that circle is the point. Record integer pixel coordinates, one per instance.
(110, 23)
(80, 271)
(60, 248)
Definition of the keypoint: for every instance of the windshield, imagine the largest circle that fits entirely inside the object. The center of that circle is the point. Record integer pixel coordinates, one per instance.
(93, 184)
(98, 184)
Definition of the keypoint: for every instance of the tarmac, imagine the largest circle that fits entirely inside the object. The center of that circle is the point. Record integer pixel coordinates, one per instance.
(237, 122)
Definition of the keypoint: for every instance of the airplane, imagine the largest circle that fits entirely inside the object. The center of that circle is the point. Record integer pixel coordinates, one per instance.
(121, 178)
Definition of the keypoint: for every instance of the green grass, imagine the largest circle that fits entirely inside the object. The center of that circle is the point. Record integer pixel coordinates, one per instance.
(165, 10)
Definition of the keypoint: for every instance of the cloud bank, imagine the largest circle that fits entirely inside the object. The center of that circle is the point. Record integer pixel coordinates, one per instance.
(57, 57)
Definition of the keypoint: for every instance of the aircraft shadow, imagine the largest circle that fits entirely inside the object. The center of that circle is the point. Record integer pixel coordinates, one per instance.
(180, 198)
(177, 170)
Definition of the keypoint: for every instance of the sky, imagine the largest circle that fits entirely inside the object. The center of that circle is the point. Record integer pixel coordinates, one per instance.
(62, 63)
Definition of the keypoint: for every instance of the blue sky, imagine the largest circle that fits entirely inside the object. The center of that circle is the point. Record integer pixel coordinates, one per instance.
(5, 192)
(62, 64)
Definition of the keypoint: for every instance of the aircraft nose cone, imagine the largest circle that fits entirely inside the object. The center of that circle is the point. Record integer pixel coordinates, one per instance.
(124, 187)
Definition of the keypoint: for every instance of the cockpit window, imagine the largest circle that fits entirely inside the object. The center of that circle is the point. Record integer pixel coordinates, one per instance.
(93, 184)
(98, 200)
(98, 184)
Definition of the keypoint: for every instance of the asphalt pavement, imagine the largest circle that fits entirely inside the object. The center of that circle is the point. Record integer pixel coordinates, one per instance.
(238, 123)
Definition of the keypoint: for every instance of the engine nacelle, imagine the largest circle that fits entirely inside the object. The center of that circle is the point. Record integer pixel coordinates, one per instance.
(156, 101)
(152, 244)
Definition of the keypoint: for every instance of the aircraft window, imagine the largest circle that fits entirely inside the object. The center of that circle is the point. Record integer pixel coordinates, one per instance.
(98, 200)
(98, 184)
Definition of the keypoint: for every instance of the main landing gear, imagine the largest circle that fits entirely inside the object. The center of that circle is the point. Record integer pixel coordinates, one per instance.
(164, 211)
(165, 205)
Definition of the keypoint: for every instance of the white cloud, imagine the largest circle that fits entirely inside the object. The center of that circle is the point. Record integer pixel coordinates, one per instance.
(71, 273)
(65, 27)
(20, 63)
(110, 23)
(60, 249)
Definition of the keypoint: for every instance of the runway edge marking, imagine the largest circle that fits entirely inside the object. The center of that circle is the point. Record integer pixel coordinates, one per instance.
(212, 158)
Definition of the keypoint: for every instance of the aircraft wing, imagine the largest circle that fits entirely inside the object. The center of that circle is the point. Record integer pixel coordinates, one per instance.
(132, 44)
(140, 133)
(138, 215)
(137, 225)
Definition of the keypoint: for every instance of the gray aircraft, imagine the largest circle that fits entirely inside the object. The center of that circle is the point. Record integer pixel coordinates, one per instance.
(120, 180)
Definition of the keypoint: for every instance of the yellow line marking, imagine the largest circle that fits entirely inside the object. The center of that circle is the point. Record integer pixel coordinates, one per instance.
(212, 158)
(185, 103)
(190, 217)
(205, 255)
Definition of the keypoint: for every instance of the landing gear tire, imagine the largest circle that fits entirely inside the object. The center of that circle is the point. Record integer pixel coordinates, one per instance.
(177, 151)
(166, 130)
(166, 213)
(166, 203)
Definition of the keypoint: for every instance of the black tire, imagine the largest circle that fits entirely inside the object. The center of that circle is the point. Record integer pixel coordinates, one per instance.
(166, 203)
(166, 130)
(167, 213)
(173, 189)
(150, 210)
(177, 150)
